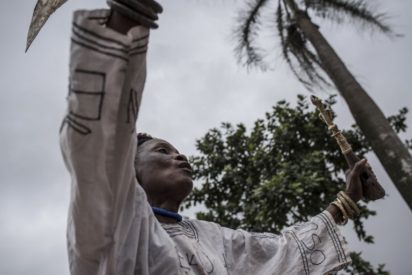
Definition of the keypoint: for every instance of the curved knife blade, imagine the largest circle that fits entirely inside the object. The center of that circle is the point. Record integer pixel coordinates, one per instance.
(42, 12)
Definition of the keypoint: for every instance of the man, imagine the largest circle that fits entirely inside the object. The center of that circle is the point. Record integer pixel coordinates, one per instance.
(126, 192)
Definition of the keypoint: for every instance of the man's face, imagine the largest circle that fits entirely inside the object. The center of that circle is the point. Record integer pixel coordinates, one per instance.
(163, 172)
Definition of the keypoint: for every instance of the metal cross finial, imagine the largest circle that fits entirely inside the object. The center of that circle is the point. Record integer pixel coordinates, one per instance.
(372, 190)
(324, 114)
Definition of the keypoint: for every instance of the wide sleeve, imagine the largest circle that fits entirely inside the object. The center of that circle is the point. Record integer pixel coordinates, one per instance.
(313, 247)
(98, 138)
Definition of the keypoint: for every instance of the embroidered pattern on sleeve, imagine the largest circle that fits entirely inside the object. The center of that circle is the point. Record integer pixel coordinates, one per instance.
(334, 237)
(85, 103)
(309, 252)
(95, 42)
(185, 228)
(108, 46)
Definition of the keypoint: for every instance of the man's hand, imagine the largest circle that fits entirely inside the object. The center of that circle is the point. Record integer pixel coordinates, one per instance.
(129, 13)
(354, 187)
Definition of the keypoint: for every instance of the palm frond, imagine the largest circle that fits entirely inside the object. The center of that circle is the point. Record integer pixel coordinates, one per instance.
(304, 64)
(358, 10)
(288, 13)
(246, 50)
(309, 65)
(317, 67)
(280, 25)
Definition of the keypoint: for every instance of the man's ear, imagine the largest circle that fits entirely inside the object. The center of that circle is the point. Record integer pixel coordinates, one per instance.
(136, 167)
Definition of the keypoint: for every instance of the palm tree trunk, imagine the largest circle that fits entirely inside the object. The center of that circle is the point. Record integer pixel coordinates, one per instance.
(390, 150)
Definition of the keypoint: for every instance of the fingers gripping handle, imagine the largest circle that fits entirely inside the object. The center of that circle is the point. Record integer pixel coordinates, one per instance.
(372, 190)
(143, 12)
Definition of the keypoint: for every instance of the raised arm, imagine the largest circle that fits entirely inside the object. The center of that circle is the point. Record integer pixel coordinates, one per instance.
(98, 137)
(312, 247)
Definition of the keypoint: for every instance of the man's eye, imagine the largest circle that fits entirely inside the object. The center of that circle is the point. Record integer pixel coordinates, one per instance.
(162, 150)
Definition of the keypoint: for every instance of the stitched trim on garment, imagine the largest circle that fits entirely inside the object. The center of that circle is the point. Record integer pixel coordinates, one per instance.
(138, 48)
(185, 228)
(338, 241)
(98, 50)
(99, 112)
(99, 36)
(141, 38)
(76, 126)
(334, 236)
(77, 34)
(100, 94)
(108, 39)
(264, 235)
(98, 45)
(302, 252)
(337, 268)
(138, 53)
(62, 124)
(132, 106)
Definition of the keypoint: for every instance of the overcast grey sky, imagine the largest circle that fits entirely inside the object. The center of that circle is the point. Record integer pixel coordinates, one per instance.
(193, 84)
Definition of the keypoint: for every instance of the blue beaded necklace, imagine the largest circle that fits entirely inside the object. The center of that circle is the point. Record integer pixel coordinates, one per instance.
(167, 213)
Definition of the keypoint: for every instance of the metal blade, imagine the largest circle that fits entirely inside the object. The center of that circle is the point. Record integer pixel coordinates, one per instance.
(42, 12)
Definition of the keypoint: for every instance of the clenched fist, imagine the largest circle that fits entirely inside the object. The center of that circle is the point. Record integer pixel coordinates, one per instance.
(353, 180)
(142, 12)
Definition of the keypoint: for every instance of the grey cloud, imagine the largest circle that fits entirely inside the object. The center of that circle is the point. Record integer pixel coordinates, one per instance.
(193, 84)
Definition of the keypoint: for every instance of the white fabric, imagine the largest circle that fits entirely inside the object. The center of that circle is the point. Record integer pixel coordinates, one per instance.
(111, 227)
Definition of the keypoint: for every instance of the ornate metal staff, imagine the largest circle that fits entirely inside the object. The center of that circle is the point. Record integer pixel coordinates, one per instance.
(372, 190)
(42, 12)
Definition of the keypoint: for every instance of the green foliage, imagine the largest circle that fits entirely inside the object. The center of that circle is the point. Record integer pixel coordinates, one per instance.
(398, 122)
(360, 266)
(285, 170)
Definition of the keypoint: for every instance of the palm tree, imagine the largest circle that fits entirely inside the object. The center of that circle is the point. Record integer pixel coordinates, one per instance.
(313, 60)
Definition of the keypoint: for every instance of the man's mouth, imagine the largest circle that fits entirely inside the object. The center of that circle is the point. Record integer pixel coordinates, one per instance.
(185, 166)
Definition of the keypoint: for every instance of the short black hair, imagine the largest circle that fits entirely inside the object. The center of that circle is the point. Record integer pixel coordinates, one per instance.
(142, 138)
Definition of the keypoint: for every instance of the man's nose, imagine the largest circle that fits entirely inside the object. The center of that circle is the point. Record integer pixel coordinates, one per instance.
(181, 157)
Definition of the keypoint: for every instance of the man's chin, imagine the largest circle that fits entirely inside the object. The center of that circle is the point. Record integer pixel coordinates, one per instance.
(185, 184)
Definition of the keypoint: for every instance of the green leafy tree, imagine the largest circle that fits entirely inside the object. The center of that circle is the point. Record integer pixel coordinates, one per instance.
(315, 63)
(285, 170)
